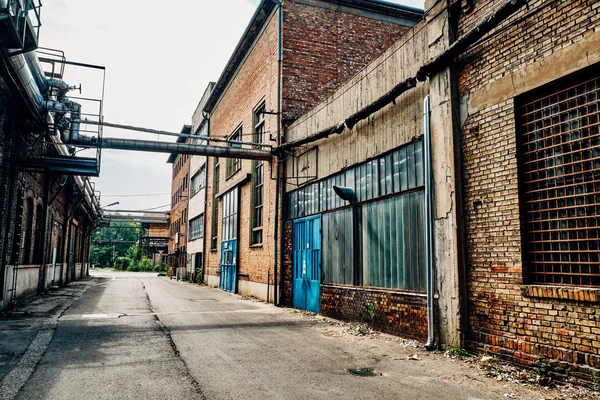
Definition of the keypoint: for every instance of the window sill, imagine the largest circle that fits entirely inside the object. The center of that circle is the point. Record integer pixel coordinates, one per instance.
(213, 250)
(590, 295)
(256, 246)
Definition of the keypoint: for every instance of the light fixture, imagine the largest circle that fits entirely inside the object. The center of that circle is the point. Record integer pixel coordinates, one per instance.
(345, 193)
(111, 204)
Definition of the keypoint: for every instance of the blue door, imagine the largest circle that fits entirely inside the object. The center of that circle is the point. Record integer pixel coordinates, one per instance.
(229, 265)
(229, 253)
(306, 285)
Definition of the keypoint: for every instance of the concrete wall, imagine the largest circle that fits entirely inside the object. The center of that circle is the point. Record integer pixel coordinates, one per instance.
(519, 321)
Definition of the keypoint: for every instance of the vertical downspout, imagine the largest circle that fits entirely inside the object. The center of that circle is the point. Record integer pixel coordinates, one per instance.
(429, 228)
(44, 236)
(205, 247)
(276, 276)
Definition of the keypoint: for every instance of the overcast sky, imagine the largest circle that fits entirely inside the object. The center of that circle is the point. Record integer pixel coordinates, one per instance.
(159, 57)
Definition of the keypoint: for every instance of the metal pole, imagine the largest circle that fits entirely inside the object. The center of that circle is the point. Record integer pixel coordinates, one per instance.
(429, 228)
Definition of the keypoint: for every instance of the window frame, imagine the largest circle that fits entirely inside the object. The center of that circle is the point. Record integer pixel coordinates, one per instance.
(258, 179)
(233, 165)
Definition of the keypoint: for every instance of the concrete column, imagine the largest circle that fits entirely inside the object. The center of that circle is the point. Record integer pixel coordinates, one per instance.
(446, 252)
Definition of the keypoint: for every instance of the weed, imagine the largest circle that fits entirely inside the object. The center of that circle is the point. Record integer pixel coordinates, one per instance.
(596, 382)
(456, 352)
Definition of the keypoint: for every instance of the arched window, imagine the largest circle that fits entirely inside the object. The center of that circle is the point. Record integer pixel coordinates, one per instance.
(39, 229)
(28, 231)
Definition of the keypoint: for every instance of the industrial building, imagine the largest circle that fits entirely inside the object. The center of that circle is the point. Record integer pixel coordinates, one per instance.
(48, 206)
(197, 200)
(457, 201)
(292, 55)
(177, 257)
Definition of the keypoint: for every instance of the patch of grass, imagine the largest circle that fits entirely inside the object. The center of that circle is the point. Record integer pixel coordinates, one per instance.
(457, 353)
(596, 382)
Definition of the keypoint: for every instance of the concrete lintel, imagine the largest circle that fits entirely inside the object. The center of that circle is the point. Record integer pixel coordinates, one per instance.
(548, 69)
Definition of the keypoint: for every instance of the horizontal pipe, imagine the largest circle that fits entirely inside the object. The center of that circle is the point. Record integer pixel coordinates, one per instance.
(381, 102)
(109, 212)
(469, 39)
(339, 128)
(166, 133)
(177, 148)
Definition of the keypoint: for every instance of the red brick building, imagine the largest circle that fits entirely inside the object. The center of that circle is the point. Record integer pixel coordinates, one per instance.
(323, 44)
(177, 258)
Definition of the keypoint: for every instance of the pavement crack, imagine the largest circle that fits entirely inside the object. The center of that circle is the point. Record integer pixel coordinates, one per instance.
(167, 333)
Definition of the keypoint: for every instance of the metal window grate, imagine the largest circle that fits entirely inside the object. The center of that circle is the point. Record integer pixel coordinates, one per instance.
(559, 149)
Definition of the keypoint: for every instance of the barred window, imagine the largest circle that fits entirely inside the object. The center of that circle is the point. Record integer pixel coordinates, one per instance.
(256, 235)
(559, 161)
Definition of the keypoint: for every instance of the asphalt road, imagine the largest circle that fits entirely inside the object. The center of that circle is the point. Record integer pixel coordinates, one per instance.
(139, 336)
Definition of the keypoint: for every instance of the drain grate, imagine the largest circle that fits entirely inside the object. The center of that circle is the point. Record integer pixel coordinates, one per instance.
(362, 372)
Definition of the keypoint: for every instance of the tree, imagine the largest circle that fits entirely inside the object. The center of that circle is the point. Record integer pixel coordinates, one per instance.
(105, 240)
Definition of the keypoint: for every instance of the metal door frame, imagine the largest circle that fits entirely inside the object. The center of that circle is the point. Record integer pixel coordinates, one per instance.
(234, 242)
(306, 224)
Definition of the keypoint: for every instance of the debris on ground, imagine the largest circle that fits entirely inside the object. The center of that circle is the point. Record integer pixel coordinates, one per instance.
(414, 357)
(494, 368)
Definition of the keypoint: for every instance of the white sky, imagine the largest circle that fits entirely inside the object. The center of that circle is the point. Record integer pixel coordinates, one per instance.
(159, 57)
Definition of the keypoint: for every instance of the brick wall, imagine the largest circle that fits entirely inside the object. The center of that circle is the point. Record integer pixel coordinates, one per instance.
(286, 279)
(397, 313)
(522, 323)
(7, 109)
(180, 192)
(323, 48)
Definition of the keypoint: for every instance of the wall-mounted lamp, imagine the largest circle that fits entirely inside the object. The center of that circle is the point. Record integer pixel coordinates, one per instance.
(111, 204)
(345, 193)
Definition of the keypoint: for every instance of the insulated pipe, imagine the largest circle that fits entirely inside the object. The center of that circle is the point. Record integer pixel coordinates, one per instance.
(165, 133)
(429, 227)
(179, 148)
(27, 80)
(40, 77)
(36, 69)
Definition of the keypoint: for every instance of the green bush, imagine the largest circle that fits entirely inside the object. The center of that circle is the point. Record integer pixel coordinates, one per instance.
(143, 265)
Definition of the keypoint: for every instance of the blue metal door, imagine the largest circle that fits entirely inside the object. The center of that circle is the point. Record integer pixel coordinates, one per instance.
(229, 253)
(229, 266)
(306, 285)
